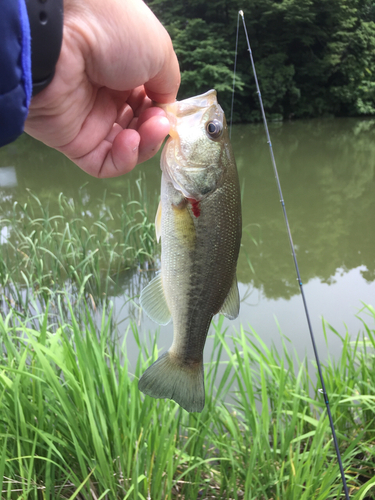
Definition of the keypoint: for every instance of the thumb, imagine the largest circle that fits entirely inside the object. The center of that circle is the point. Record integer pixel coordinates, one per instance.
(163, 87)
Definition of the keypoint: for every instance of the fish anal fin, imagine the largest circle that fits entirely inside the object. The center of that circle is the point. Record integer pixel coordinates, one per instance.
(231, 306)
(153, 302)
(158, 222)
(171, 378)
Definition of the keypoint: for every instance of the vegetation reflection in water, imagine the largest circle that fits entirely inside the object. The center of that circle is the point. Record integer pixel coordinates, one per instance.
(327, 170)
(73, 420)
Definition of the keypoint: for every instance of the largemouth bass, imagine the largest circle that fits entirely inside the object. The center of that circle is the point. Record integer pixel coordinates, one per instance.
(199, 222)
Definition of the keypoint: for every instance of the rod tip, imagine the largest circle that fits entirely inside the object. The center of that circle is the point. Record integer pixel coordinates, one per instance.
(241, 13)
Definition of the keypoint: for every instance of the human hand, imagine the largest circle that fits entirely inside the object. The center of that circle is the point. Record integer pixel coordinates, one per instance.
(116, 58)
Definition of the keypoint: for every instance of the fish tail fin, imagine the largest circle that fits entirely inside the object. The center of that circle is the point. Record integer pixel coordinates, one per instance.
(170, 377)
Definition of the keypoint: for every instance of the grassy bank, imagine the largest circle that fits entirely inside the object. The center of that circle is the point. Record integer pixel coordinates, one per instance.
(74, 425)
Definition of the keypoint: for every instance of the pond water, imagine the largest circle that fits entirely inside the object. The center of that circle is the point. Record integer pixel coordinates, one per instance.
(327, 173)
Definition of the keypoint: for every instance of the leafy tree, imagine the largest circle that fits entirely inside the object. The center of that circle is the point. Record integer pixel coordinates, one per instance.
(205, 64)
(313, 57)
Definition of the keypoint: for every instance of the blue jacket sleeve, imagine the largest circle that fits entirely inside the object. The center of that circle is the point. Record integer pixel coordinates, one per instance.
(15, 69)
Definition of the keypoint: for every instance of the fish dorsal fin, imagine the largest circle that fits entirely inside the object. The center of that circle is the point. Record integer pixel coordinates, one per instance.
(158, 222)
(231, 306)
(153, 302)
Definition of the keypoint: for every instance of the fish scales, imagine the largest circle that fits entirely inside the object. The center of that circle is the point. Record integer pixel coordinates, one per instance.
(200, 228)
(204, 270)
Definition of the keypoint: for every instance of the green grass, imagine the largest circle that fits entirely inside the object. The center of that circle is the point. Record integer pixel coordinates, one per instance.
(68, 247)
(74, 425)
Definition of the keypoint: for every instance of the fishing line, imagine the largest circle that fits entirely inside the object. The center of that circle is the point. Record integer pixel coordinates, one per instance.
(323, 390)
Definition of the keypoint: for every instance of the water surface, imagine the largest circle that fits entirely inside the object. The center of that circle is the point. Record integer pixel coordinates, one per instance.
(326, 168)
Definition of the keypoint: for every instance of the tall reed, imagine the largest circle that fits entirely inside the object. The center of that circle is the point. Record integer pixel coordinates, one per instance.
(74, 425)
(68, 248)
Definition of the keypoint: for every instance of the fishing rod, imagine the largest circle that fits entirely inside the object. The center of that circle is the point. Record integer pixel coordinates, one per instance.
(323, 389)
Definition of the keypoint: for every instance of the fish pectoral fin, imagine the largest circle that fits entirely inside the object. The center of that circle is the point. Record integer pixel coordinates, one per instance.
(158, 223)
(153, 302)
(231, 306)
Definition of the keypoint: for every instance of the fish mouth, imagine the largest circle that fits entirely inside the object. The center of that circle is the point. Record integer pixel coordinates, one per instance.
(186, 107)
(191, 104)
(173, 132)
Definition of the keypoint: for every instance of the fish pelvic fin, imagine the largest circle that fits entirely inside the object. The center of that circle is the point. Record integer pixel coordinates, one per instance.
(172, 378)
(154, 303)
(231, 306)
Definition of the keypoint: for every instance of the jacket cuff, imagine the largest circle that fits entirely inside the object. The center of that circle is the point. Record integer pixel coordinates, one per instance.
(15, 69)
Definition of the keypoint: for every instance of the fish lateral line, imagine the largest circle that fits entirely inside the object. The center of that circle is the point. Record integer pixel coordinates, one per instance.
(196, 209)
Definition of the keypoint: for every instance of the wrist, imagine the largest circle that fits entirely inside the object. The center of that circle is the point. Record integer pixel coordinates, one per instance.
(46, 27)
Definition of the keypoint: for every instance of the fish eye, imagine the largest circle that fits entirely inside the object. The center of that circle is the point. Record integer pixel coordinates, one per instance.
(214, 129)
